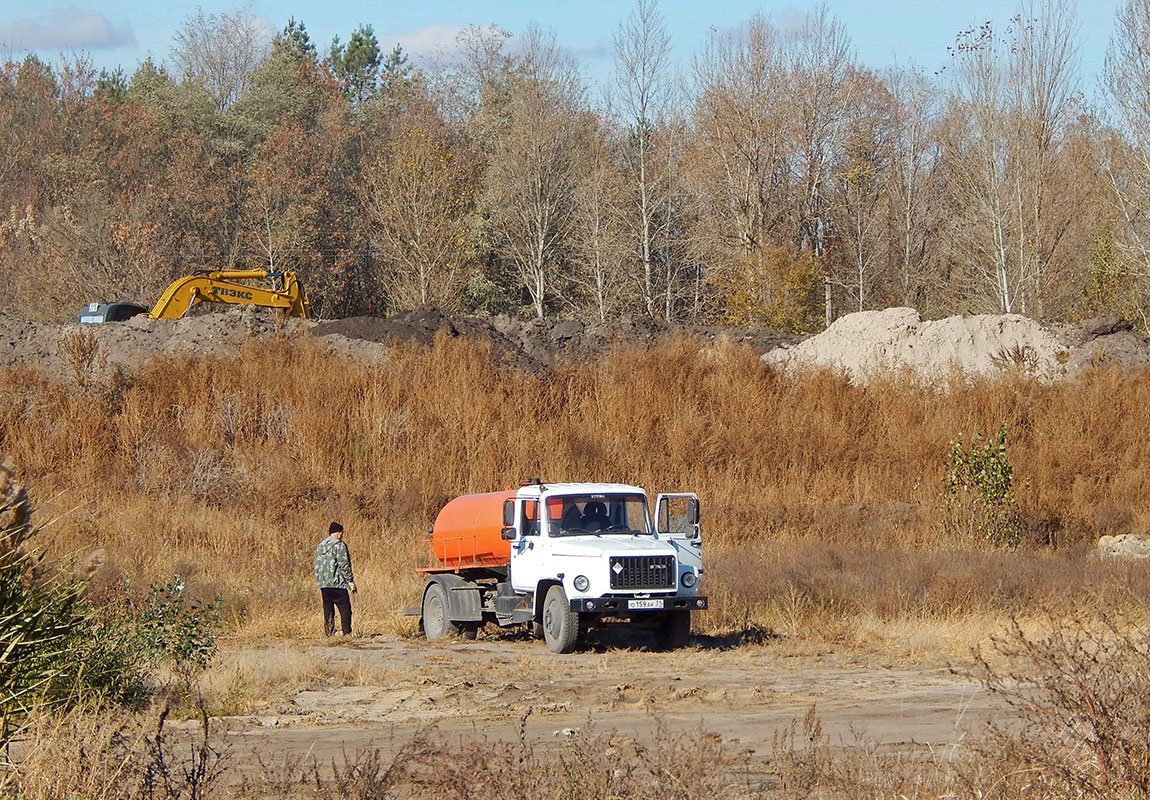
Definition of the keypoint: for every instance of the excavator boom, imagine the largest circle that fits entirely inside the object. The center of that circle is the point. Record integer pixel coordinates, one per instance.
(220, 286)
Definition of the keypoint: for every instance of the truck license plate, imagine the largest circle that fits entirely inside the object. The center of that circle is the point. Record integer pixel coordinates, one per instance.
(644, 604)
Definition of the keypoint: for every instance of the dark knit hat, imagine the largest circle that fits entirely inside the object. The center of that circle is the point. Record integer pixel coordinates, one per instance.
(335, 527)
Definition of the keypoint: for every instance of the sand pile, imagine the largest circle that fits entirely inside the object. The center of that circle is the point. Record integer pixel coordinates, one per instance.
(873, 341)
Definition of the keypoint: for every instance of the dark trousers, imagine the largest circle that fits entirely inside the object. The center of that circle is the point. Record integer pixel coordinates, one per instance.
(333, 599)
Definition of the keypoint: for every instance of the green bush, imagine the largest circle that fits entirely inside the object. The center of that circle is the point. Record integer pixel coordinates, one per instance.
(40, 614)
(980, 501)
(174, 628)
(57, 649)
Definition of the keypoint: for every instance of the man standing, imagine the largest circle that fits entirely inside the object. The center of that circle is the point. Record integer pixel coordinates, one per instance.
(334, 577)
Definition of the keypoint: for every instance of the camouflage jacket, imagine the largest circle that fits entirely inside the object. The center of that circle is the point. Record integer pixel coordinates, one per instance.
(333, 564)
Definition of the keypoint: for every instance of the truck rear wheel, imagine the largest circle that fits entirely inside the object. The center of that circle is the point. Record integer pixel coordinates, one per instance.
(436, 624)
(674, 630)
(560, 623)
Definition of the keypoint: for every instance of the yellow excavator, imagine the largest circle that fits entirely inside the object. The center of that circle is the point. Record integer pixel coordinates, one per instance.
(217, 286)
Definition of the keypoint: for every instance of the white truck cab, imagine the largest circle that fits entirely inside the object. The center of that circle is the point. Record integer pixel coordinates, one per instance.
(581, 554)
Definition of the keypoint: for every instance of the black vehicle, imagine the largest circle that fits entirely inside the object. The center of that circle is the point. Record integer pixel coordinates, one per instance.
(96, 313)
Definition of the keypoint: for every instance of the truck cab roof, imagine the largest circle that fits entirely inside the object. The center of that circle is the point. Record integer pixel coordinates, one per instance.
(538, 490)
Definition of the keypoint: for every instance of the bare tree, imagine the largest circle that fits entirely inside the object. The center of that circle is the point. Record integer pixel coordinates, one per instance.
(220, 51)
(602, 248)
(1014, 98)
(464, 79)
(738, 165)
(1044, 87)
(912, 193)
(977, 162)
(821, 60)
(1127, 80)
(740, 158)
(865, 162)
(532, 177)
(642, 51)
(418, 194)
(670, 148)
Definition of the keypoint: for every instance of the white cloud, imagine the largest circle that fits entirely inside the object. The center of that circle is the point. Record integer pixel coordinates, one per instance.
(601, 49)
(791, 20)
(63, 28)
(423, 42)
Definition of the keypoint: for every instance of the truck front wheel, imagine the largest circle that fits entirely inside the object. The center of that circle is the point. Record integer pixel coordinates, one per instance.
(436, 624)
(560, 623)
(673, 630)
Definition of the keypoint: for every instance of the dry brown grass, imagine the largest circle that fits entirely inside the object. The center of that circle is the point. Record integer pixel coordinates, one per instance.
(821, 499)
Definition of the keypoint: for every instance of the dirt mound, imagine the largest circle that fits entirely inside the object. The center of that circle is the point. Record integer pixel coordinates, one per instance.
(529, 344)
(1124, 349)
(420, 325)
(56, 349)
(874, 341)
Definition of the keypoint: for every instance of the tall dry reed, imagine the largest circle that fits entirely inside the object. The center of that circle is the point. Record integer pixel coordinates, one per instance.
(228, 471)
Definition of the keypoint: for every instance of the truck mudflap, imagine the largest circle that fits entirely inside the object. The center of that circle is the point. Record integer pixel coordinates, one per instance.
(617, 605)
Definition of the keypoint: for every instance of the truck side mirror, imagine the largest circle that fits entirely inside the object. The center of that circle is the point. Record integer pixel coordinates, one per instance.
(507, 534)
(508, 513)
(692, 511)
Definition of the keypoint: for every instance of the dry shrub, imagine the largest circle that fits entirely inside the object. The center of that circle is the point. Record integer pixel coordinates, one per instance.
(1080, 688)
(82, 352)
(1079, 691)
(106, 754)
(806, 764)
(588, 763)
(792, 586)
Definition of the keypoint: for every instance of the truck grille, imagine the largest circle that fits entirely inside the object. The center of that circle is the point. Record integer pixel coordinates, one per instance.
(643, 572)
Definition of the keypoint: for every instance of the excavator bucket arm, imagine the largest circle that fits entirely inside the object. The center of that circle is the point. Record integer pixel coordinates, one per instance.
(221, 286)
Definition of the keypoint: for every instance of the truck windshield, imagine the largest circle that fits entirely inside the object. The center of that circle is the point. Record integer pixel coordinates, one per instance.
(581, 514)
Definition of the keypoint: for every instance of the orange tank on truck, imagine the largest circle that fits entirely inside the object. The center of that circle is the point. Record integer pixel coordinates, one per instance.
(562, 558)
(467, 532)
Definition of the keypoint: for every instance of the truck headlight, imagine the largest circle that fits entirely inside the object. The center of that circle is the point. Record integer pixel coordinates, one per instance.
(689, 579)
(581, 583)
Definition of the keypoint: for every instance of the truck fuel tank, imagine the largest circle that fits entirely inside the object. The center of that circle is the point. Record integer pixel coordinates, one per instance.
(467, 531)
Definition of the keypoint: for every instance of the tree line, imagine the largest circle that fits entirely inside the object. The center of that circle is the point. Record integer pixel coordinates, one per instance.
(775, 180)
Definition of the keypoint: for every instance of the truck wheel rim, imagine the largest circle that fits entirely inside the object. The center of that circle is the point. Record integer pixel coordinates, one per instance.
(550, 620)
(435, 613)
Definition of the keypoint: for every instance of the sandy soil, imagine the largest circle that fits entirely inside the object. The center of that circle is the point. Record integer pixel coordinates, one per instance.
(485, 688)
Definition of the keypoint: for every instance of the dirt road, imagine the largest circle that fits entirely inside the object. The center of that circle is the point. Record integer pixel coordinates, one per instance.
(485, 688)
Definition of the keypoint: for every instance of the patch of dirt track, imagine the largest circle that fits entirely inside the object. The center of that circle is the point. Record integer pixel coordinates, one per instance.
(485, 688)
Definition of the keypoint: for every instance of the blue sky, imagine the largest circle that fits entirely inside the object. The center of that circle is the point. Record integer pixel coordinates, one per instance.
(123, 32)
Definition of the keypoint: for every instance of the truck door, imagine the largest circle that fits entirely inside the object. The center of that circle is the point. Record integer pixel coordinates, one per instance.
(677, 519)
(677, 515)
(527, 550)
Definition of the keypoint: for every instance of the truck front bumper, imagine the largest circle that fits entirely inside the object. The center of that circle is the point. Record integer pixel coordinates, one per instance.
(619, 605)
